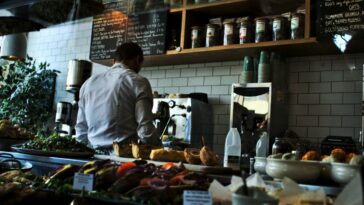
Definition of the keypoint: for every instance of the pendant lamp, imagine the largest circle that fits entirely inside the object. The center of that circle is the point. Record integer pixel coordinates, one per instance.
(14, 47)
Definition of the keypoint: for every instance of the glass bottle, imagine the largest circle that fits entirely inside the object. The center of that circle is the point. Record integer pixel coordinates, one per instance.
(281, 145)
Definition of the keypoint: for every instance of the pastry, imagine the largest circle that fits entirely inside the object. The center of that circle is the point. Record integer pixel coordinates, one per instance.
(141, 151)
(208, 157)
(192, 155)
(122, 150)
(167, 155)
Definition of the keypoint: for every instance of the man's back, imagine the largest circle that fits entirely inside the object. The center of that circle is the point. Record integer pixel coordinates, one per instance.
(107, 107)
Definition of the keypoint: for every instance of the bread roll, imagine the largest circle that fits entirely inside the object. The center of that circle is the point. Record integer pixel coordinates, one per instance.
(167, 155)
(192, 155)
(122, 150)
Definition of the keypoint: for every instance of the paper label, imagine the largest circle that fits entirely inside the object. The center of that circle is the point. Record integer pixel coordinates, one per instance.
(197, 198)
(83, 182)
(228, 29)
(295, 23)
(276, 25)
(194, 34)
(260, 27)
(242, 32)
(210, 32)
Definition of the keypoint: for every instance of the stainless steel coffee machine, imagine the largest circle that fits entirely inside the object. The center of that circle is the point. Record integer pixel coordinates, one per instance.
(185, 119)
(78, 72)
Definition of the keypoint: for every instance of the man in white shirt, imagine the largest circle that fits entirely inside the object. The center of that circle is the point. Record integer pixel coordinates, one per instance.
(116, 105)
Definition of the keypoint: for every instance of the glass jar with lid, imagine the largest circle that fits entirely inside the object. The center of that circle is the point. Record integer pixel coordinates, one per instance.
(297, 26)
(281, 145)
(230, 32)
(197, 37)
(212, 35)
(279, 28)
(245, 30)
(261, 29)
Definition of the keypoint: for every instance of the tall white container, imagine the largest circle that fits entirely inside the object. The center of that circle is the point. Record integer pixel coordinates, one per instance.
(232, 151)
(262, 147)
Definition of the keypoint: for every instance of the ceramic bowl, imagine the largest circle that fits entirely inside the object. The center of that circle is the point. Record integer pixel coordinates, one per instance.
(260, 164)
(325, 171)
(300, 171)
(342, 173)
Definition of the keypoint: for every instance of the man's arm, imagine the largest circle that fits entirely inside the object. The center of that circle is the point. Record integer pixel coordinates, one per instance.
(143, 114)
(81, 124)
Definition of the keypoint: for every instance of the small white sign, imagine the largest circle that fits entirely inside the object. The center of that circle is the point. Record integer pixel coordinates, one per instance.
(197, 198)
(83, 182)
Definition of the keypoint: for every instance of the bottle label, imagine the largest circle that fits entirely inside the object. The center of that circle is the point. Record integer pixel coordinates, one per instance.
(295, 23)
(276, 24)
(242, 32)
(260, 27)
(194, 34)
(233, 162)
(228, 29)
(210, 32)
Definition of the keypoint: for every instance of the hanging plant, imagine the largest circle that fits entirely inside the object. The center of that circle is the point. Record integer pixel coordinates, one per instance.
(26, 93)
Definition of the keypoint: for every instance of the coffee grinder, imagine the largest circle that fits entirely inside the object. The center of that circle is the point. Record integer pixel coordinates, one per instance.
(78, 72)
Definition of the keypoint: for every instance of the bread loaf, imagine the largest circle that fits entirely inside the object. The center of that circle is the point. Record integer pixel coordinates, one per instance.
(167, 155)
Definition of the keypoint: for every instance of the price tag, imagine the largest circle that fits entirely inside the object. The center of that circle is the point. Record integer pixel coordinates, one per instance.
(197, 198)
(83, 182)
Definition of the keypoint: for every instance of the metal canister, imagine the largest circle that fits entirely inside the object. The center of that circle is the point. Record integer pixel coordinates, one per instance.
(64, 111)
(245, 30)
(212, 35)
(297, 26)
(229, 32)
(78, 72)
(279, 28)
(196, 37)
(261, 29)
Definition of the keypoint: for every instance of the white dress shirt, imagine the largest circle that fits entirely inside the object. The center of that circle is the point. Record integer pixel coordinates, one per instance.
(115, 105)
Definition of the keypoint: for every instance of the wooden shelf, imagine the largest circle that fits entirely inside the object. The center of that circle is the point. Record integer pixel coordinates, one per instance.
(230, 7)
(175, 10)
(288, 48)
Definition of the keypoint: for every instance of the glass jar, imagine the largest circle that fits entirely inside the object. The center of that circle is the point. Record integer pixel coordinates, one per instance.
(281, 145)
(279, 28)
(229, 33)
(261, 29)
(245, 30)
(297, 26)
(196, 37)
(212, 35)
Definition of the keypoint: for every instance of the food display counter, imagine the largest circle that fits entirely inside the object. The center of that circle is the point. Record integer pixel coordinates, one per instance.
(43, 165)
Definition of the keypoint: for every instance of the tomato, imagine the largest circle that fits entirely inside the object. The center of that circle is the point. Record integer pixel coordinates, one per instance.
(124, 167)
(168, 165)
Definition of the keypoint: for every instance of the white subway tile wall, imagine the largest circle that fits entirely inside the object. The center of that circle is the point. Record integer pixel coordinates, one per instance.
(325, 91)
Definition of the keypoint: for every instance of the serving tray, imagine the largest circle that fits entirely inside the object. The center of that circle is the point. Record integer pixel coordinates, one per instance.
(17, 148)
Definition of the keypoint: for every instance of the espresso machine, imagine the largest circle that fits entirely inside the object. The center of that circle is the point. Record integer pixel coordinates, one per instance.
(78, 72)
(184, 119)
(257, 108)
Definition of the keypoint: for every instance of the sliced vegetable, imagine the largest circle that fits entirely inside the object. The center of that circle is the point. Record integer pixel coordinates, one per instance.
(168, 165)
(124, 167)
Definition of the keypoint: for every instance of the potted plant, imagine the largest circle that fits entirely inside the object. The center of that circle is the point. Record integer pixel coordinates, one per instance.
(26, 93)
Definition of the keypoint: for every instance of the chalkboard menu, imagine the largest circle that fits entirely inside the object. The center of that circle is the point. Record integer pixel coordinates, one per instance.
(340, 17)
(116, 26)
(149, 31)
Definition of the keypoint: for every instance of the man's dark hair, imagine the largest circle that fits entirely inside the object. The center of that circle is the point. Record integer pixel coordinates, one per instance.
(127, 51)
